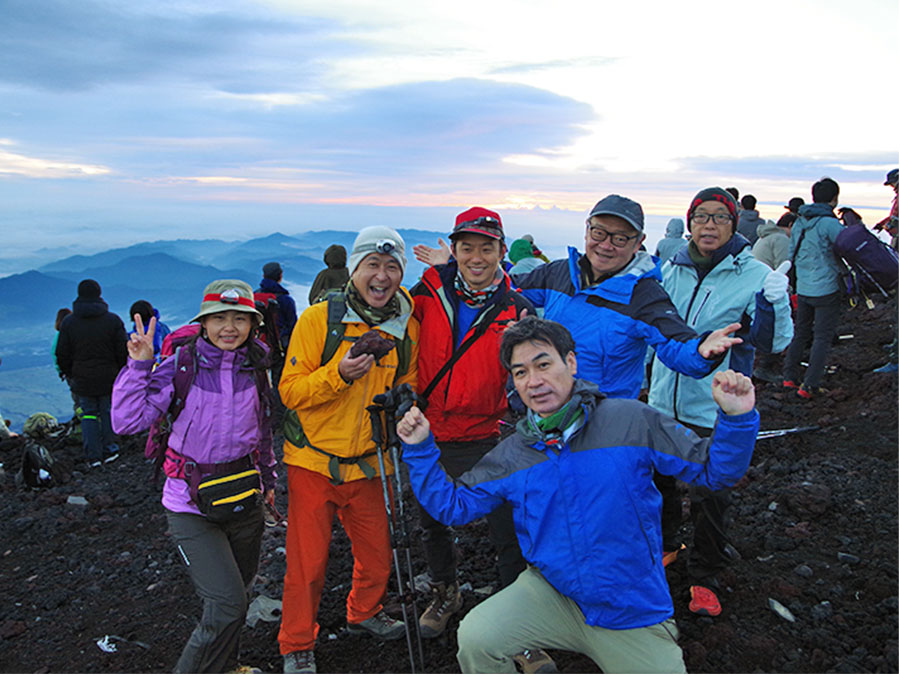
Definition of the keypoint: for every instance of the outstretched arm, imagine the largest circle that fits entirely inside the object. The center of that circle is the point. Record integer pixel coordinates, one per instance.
(432, 256)
(447, 500)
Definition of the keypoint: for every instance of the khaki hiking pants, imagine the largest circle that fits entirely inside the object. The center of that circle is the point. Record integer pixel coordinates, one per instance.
(531, 614)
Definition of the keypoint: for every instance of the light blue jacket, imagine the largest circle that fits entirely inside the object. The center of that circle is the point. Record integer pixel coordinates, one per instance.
(818, 270)
(731, 292)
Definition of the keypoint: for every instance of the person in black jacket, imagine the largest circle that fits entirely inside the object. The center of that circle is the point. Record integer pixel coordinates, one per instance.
(90, 351)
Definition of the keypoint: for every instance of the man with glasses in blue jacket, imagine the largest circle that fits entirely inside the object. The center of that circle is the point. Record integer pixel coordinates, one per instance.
(611, 300)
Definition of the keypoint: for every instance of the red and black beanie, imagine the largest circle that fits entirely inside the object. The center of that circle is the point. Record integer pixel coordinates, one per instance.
(714, 194)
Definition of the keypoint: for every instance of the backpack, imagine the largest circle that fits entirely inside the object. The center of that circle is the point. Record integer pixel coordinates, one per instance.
(334, 335)
(872, 264)
(177, 337)
(185, 371)
(270, 331)
(38, 469)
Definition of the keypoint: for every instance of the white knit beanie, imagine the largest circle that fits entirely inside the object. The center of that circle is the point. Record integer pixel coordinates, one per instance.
(377, 239)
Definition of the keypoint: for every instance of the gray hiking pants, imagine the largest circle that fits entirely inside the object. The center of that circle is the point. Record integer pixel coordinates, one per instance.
(222, 560)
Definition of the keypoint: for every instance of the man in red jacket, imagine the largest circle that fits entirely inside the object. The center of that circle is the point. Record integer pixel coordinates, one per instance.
(463, 308)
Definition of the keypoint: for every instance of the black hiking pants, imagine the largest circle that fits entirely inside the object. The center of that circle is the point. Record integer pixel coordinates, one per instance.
(437, 538)
(708, 512)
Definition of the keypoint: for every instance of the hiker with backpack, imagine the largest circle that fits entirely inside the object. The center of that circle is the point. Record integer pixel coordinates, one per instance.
(463, 307)
(818, 287)
(270, 288)
(712, 281)
(218, 459)
(578, 472)
(334, 277)
(343, 352)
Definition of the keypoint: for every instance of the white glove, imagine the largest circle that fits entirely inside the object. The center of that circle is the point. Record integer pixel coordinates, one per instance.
(776, 282)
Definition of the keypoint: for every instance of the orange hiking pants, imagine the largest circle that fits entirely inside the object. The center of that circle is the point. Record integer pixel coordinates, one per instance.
(312, 503)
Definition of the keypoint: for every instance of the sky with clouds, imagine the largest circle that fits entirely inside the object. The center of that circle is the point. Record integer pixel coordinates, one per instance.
(122, 121)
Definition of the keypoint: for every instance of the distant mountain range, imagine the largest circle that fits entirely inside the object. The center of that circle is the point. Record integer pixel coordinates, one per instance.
(171, 275)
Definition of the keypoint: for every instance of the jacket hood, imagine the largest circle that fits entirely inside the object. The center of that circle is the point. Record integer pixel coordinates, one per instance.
(336, 256)
(675, 228)
(270, 286)
(88, 308)
(620, 286)
(519, 249)
(767, 227)
(810, 212)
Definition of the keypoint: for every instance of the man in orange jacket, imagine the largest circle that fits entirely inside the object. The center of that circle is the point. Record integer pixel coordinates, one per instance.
(331, 462)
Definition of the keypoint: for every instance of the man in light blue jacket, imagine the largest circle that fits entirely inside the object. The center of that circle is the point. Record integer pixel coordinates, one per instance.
(818, 288)
(713, 281)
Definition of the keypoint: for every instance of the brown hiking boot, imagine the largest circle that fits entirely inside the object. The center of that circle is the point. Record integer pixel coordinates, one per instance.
(535, 661)
(445, 602)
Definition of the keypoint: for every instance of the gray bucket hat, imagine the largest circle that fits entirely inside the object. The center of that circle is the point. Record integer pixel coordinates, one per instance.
(224, 294)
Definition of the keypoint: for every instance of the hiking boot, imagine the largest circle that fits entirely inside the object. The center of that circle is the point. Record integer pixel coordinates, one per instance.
(300, 662)
(381, 626)
(789, 384)
(704, 602)
(110, 456)
(887, 368)
(671, 556)
(535, 661)
(96, 464)
(807, 392)
(445, 602)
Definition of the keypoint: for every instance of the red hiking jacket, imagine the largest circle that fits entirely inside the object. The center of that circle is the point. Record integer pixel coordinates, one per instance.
(470, 399)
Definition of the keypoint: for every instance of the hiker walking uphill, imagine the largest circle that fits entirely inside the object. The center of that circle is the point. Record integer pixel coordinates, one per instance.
(90, 351)
(578, 473)
(332, 278)
(712, 281)
(463, 308)
(218, 458)
(818, 288)
(342, 354)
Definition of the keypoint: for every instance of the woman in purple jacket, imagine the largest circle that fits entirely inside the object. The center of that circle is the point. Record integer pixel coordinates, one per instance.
(224, 423)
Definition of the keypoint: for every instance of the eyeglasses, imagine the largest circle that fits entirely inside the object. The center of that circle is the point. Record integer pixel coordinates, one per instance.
(718, 218)
(618, 239)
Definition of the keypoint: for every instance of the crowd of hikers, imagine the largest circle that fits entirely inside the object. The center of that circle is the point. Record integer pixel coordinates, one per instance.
(563, 400)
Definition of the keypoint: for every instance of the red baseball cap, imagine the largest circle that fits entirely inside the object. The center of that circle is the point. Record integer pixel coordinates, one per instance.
(478, 220)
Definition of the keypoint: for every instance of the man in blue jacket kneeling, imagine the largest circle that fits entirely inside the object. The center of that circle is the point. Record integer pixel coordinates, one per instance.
(579, 475)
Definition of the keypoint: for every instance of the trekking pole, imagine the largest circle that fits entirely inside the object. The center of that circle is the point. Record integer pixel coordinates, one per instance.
(775, 433)
(378, 436)
(393, 441)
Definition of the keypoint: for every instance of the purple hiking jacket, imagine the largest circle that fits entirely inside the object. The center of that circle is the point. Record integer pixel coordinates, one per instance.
(220, 420)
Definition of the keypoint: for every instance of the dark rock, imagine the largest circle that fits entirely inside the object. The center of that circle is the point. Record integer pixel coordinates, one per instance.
(848, 558)
(821, 611)
(803, 571)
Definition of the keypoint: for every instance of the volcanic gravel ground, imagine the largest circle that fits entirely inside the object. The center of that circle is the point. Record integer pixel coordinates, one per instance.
(814, 526)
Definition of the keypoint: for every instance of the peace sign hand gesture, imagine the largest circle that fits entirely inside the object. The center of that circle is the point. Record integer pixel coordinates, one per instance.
(140, 344)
